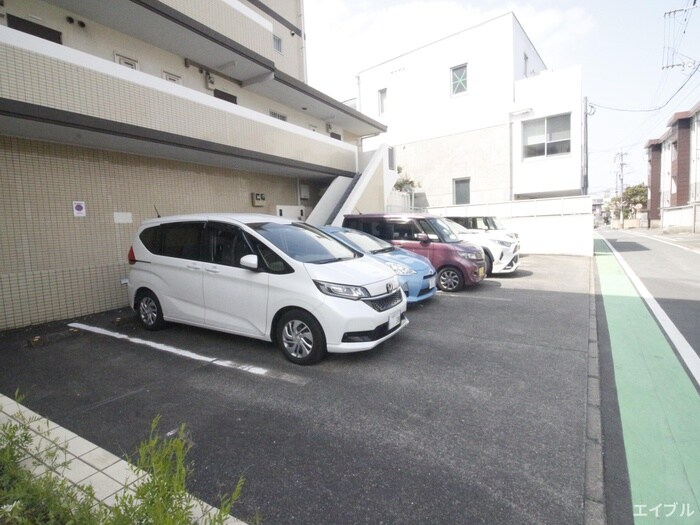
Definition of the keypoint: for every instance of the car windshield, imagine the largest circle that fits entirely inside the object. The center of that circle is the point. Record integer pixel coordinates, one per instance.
(456, 227)
(443, 230)
(303, 242)
(494, 223)
(364, 242)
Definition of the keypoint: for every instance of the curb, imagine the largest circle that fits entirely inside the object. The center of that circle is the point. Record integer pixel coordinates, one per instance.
(594, 495)
(85, 464)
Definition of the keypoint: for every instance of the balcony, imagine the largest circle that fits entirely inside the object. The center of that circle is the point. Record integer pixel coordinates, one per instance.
(225, 37)
(55, 93)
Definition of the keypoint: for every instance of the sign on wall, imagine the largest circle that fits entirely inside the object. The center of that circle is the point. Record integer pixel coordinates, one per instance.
(79, 209)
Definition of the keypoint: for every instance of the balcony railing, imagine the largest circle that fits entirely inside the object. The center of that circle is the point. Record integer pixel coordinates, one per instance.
(47, 75)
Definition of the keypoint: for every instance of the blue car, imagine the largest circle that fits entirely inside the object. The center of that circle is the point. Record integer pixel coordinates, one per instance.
(415, 273)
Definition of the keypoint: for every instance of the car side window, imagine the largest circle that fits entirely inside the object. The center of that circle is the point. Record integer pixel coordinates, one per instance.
(377, 227)
(182, 240)
(228, 244)
(270, 260)
(405, 231)
(150, 237)
(429, 230)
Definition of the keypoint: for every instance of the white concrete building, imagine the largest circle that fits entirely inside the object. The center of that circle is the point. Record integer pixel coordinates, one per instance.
(476, 117)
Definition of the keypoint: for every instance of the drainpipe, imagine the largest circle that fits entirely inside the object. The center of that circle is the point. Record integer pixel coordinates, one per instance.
(303, 41)
(510, 162)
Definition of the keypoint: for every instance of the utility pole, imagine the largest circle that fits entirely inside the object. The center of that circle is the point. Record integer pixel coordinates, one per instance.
(675, 26)
(620, 157)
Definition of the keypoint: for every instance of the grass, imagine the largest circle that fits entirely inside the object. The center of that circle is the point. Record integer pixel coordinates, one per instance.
(32, 492)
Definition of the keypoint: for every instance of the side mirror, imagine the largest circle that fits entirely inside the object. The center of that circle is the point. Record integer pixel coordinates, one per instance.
(250, 262)
(423, 238)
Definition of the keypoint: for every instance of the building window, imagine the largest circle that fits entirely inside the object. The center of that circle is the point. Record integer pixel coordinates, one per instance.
(382, 101)
(547, 136)
(278, 115)
(526, 62)
(32, 28)
(459, 79)
(222, 95)
(277, 43)
(461, 191)
(131, 63)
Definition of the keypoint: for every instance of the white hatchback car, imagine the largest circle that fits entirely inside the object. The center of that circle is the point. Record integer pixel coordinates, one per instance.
(263, 277)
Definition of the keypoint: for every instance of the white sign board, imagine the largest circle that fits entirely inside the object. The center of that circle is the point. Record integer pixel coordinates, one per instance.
(79, 209)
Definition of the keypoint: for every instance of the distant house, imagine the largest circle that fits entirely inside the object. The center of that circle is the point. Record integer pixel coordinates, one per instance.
(673, 178)
(476, 117)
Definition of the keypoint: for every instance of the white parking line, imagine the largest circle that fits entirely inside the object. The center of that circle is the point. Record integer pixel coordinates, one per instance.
(472, 297)
(256, 370)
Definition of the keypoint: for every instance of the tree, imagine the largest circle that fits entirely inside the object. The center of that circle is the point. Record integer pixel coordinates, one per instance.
(634, 195)
(631, 197)
(404, 182)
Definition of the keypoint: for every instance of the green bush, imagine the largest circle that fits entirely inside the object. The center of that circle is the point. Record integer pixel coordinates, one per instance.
(160, 497)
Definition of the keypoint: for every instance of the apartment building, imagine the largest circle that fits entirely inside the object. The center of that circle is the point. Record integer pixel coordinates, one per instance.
(114, 111)
(673, 179)
(476, 117)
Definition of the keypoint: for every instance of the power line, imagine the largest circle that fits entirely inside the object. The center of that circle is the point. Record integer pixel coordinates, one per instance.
(649, 110)
(673, 37)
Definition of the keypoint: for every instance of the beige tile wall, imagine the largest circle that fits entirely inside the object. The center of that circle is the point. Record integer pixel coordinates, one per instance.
(54, 265)
(32, 77)
(230, 22)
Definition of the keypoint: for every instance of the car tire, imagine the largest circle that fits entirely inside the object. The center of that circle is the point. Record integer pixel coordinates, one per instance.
(489, 264)
(301, 338)
(450, 279)
(149, 311)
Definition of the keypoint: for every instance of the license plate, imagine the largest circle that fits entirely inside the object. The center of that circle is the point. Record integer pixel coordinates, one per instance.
(394, 319)
(431, 282)
(481, 272)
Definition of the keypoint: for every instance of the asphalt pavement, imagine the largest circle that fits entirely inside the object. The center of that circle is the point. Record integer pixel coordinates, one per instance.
(484, 410)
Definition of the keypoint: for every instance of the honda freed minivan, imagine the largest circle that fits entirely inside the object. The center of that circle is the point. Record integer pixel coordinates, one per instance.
(263, 277)
(458, 263)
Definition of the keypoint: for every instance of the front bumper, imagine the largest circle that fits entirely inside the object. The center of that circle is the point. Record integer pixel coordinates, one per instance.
(361, 341)
(355, 326)
(419, 287)
(475, 271)
(509, 261)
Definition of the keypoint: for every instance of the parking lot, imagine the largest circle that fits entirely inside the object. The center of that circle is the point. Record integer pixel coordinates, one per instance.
(475, 413)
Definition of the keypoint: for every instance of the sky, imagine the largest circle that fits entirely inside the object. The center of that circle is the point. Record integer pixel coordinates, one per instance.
(625, 48)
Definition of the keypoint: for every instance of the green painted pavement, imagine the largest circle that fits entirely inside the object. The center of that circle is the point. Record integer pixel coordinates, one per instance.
(659, 404)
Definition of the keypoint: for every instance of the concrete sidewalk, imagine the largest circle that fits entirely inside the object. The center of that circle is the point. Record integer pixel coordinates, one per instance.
(81, 462)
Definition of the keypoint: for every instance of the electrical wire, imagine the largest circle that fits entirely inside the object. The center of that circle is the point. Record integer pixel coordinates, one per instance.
(649, 110)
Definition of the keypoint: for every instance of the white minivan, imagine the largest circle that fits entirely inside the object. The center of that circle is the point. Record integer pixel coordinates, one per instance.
(263, 277)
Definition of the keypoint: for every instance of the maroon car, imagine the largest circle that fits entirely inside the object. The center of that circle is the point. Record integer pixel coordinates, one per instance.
(459, 263)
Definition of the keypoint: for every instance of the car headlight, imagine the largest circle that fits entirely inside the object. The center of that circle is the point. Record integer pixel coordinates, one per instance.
(507, 244)
(400, 269)
(474, 256)
(345, 291)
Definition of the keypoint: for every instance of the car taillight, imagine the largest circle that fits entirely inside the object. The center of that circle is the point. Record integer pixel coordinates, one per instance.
(132, 257)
